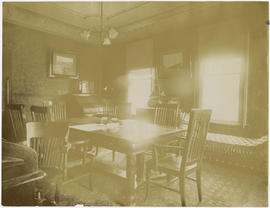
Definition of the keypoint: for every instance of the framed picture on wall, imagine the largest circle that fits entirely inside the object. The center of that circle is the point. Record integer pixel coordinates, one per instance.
(172, 61)
(63, 65)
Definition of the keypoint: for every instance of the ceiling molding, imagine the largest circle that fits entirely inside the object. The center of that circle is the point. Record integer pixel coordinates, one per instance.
(34, 21)
(133, 21)
(117, 14)
(183, 21)
(63, 14)
(168, 19)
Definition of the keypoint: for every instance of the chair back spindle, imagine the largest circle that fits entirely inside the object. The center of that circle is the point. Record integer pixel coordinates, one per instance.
(40, 113)
(166, 116)
(48, 140)
(196, 136)
(58, 112)
(17, 117)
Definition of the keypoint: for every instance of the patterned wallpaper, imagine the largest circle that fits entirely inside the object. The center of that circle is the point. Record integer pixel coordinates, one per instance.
(28, 64)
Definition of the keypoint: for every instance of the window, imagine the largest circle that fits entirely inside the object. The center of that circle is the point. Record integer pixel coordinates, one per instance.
(222, 89)
(139, 88)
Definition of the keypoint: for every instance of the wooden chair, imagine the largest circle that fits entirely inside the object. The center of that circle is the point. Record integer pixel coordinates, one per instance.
(57, 111)
(123, 110)
(109, 110)
(166, 115)
(40, 113)
(171, 116)
(17, 117)
(188, 162)
(49, 140)
(51, 111)
(115, 110)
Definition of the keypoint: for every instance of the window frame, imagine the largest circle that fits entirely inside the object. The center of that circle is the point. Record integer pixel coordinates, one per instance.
(150, 77)
(243, 91)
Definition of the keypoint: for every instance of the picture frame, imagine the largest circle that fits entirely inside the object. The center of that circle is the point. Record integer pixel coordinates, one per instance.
(172, 61)
(63, 65)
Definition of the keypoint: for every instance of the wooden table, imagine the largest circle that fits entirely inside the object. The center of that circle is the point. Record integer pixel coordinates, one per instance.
(131, 138)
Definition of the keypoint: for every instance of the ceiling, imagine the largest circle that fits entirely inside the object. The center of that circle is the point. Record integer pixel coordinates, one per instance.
(133, 20)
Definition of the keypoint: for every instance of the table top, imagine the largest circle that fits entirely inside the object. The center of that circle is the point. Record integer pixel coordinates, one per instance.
(131, 134)
(82, 120)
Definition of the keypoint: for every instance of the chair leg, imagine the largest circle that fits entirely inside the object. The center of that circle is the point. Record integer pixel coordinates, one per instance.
(148, 171)
(90, 181)
(182, 190)
(199, 184)
(38, 198)
(90, 174)
(85, 146)
(113, 155)
(96, 150)
(57, 192)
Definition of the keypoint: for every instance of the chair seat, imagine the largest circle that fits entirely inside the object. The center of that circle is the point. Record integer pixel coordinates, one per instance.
(170, 164)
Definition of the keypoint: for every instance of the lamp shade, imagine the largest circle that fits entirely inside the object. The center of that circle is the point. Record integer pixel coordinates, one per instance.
(85, 35)
(113, 33)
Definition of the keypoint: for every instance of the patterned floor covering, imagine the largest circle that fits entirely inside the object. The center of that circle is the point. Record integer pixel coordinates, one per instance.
(222, 186)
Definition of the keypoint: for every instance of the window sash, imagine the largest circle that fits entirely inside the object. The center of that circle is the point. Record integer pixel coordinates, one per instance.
(240, 88)
(138, 92)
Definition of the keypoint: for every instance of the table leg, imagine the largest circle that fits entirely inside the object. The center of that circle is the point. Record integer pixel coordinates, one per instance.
(130, 174)
(140, 167)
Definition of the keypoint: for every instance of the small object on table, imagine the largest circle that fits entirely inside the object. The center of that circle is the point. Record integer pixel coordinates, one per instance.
(104, 120)
(114, 120)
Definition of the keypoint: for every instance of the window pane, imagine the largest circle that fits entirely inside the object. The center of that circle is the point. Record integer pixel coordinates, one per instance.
(221, 79)
(221, 93)
(139, 89)
(222, 65)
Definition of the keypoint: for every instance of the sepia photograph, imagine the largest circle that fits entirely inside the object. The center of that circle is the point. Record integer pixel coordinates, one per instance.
(135, 103)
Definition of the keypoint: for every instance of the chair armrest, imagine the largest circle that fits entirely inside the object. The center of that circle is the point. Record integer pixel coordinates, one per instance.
(67, 147)
(181, 137)
(80, 142)
(91, 154)
(168, 146)
(177, 141)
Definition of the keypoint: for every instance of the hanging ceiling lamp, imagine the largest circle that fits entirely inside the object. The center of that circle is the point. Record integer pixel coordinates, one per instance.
(106, 40)
(105, 36)
(85, 34)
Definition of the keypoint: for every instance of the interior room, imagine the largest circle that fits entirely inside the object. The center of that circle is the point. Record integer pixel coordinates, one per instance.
(135, 103)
